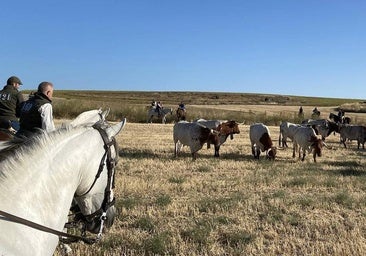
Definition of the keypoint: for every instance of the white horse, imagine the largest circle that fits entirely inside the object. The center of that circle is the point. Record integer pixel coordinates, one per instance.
(152, 112)
(88, 118)
(41, 176)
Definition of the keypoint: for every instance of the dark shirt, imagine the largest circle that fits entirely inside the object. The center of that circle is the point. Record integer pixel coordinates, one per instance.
(10, 103)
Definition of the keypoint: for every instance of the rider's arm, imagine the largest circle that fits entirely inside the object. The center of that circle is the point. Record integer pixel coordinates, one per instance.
(47, 117)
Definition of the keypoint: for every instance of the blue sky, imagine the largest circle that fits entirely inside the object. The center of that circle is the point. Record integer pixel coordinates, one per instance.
(297, 47)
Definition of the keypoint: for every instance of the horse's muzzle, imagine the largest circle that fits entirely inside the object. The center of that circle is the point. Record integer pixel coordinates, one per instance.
(94, 225)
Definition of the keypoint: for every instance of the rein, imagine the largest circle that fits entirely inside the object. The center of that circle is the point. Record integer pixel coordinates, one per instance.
(62, 235)
(101, 213)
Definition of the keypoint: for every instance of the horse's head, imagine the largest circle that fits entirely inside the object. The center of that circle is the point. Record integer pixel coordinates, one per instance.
(88, 118)
(94, 195)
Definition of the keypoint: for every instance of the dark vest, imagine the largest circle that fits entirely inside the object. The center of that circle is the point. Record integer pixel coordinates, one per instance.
(30, 118)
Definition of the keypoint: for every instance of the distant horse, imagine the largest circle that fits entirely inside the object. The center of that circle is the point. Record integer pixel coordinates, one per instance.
(42, 175)
(181, 114)
(338, 119)
(153, 113)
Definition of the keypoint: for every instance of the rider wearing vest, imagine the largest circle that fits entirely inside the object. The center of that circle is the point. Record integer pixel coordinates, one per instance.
(10, 102)
(36, 112)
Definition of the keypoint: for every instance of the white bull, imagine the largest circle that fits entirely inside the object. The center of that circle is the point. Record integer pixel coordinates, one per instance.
(305, 139)
(260, 139)
(193, 135)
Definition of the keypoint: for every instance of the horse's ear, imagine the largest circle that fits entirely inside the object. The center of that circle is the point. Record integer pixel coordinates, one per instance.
(105, 113)
(115, 129)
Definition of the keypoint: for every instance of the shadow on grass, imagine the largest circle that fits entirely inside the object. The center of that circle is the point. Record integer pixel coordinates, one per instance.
(139, 154)
(148, 154)
(348, 168)
(349, 172)
(235, 156)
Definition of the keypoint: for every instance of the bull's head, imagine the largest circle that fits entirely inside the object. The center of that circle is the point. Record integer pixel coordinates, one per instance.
(271, 153)
(316, 144)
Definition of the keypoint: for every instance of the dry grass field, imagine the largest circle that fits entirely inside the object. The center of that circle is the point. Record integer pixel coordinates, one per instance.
(233, 205)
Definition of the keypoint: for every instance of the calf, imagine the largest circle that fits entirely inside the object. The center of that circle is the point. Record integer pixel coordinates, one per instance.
(193, 135)
(353, 132)
(260, 139)
(305, 139)
(225, 128)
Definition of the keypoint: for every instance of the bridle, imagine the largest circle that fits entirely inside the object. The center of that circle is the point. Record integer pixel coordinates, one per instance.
(100, 214)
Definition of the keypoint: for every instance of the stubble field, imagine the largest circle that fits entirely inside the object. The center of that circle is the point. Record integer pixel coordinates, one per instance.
(233, 205)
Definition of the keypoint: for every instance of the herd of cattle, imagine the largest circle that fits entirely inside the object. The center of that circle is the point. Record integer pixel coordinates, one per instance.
(307, 137)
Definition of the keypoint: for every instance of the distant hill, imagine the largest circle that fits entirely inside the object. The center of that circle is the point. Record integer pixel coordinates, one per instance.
(251, 107)
(199, 98)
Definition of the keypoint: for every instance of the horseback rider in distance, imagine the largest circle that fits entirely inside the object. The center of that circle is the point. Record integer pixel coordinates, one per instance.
(159, 107)
(182, 106)
(153, 103)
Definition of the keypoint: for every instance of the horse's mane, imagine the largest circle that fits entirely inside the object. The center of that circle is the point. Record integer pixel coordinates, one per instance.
(17, 144)
(12, 146)
(9, 148)
(14, 156)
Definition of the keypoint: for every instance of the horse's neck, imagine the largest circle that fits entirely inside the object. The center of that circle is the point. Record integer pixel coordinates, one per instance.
(39, 193)
(41, 198)
(41, 186)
